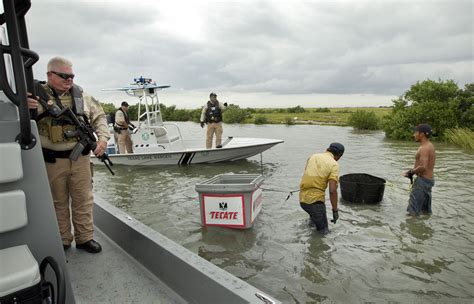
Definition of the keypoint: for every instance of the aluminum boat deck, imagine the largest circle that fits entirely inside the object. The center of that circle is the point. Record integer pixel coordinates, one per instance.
(113, 276)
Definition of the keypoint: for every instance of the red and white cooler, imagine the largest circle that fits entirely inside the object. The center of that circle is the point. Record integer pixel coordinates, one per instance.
(230, 200)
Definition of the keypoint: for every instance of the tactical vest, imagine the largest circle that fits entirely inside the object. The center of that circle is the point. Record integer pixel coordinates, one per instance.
(125, 115)
(53, 128)
(213, 112)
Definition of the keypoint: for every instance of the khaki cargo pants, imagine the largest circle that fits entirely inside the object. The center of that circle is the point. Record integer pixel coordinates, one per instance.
(71, 187)
(213, 127)
(124, 142)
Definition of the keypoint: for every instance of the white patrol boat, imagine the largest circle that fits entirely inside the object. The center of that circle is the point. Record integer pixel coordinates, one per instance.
(160, 143)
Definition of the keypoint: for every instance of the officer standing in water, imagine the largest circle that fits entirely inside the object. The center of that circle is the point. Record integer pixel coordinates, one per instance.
(420, 195)
(70, 180)
(212, 115)
(321, 170)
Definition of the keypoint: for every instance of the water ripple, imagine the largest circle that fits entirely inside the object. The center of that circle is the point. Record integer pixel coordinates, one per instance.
(375, 253)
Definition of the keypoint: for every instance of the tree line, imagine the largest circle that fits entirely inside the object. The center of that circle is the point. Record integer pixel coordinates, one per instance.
(442, 104)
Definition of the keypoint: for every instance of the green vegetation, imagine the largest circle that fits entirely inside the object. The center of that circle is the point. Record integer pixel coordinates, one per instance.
(323, 110)
(364, 120)
(297, 109)
(289, 121)
(172, 114)
(439, 103)
(442, 104)
(288, 116)
(109, 108)
(322, 116)
(460, 136)
(260, 120)
(234, 114)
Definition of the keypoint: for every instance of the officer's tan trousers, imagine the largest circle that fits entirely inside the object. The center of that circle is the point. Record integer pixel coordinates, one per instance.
(71, 187)
(213, 127)
(125, 144)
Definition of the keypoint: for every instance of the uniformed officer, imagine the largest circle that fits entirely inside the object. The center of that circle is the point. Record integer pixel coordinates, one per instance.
(70, 180)
(122, 125)
(212, 115)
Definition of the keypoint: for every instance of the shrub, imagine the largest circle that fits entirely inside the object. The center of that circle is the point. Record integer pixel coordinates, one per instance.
(439, 103)
(297, 109)
(289, 121)
(234, 114)
(322, 110)
(260, 120)
(364, 120)
(196, 115)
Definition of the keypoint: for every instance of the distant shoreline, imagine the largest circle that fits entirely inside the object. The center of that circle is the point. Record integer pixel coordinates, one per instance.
(337, 116)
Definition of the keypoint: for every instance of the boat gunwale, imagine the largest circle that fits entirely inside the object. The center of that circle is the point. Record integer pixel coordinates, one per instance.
(176, 266)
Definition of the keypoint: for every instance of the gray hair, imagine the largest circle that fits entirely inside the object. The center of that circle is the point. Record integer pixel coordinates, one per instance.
(56, 62)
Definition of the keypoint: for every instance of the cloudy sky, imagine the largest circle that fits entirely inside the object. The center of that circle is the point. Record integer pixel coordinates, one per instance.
(258, 53)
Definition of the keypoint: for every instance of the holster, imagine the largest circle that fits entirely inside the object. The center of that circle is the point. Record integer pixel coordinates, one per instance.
(48, 156)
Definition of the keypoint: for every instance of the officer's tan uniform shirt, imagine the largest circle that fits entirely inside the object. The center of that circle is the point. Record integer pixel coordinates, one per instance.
(320, 168)
(92, 109)
(120, 119)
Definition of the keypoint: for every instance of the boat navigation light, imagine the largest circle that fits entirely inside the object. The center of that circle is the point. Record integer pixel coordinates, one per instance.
(142, 80)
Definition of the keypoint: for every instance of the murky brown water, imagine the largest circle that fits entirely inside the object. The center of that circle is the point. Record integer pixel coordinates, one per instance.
(375, 253)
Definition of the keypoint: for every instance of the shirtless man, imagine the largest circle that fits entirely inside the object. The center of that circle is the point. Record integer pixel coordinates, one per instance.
(420, 196)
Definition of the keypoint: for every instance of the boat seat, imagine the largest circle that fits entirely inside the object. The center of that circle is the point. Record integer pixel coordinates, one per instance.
(12, 210)
(11, 168)
(159, 131)
(19, 271)
(162, 135)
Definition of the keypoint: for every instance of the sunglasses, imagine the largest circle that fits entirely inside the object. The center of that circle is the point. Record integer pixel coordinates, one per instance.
(64, 76)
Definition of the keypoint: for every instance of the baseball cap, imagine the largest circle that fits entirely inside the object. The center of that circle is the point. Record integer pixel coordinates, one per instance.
(336, 148)
(212, 94)
(424, 128)
(124, 104)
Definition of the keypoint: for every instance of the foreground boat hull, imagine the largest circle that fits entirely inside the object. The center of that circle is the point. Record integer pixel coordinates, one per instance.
(235, 149)
(191, 277)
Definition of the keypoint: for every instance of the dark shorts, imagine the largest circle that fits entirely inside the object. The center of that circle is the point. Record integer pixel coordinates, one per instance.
(317, 212)
(420, 196)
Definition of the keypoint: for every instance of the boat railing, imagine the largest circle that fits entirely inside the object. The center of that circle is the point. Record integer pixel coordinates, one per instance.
(176, 127)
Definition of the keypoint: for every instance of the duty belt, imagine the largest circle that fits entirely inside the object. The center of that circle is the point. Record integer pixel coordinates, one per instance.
(51, 155)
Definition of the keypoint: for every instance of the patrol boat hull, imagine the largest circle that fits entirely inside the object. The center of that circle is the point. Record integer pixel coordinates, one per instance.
(156, 142)
(187, 152)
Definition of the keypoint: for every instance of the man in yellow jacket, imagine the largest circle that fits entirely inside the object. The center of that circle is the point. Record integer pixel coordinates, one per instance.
(321, 170)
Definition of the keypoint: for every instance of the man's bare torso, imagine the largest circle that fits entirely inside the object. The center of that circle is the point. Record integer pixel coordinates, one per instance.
(425, 160)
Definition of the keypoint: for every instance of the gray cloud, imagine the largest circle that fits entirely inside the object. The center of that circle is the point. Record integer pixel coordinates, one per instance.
(293, 47)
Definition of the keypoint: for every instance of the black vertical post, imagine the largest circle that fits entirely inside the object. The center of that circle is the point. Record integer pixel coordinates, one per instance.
(25, 138)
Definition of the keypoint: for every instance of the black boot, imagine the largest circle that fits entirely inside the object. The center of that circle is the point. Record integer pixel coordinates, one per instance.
(90, 246)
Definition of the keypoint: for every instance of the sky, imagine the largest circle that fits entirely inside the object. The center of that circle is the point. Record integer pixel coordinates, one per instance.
(261, 54)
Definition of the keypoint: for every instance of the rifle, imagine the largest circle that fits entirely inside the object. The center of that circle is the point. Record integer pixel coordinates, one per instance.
(84, 132)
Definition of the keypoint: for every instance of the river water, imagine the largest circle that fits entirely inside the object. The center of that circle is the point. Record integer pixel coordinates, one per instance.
(375, 253)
